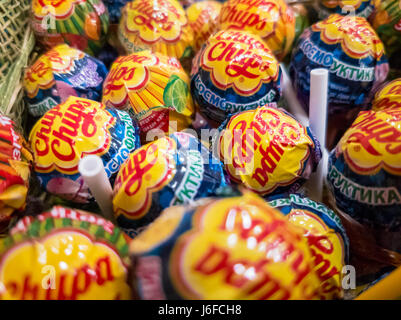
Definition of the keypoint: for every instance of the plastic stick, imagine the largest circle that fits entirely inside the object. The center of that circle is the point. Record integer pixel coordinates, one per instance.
(92, 170)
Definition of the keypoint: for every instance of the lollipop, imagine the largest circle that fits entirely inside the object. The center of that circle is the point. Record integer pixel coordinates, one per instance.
(170, 171)
(234, 71)
(360, 8)
(83, 24)
(64, 254)
(267, 150)
(14, 170)
(155, 90)
(352, 52)
(202, 18)
(60, 73)
(224, 248)
(159, 25)
(388, 97)
(326, 237)
(272, 20)
(71, 130)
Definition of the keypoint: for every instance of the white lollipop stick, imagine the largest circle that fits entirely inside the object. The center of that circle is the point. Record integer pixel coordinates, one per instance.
(319, 80)
(92, 170)
(289, 94)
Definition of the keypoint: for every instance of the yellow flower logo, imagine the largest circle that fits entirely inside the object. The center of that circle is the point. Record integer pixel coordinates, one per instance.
(60, 9)
(356, 36)
(388, 97)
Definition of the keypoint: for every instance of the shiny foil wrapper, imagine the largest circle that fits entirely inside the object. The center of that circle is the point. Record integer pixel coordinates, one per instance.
(170, 171)
(64, 254)
(362, 8)
(71, 130)
(60, 73)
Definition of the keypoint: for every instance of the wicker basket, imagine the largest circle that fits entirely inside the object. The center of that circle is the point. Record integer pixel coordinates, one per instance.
(16, 43)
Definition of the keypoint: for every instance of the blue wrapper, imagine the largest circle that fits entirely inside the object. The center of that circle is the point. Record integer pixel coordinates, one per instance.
(60, 73)
(114, 7)
(352, 52)
(234, 71)
(170, 171)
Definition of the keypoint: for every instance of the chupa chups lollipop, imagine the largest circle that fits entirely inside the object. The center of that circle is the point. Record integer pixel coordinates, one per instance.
(387, 23)
(159, 25)
(69, 132)
(234, 71)
(15, 161)
(202, 18)
(272, 20)
(169, 171)
(388, 97)
(153, 88)
(224, 248)
(64, 254)
(364, 176)
(60, 73)
(360, 8)
(82, 24)
(326, 237)
(267, 150)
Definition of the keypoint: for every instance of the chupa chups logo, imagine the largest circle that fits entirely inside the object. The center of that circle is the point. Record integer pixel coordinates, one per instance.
(127, 74)
(60, 9)
(373, 142)
(147, 170)
(101, 275)
(239, 60)
(155, 20)
(327, 248)
(356, 36)
(388, 97)
(60, 59)
(253, 15)
(342, 3)
(242, 249)
(258, 147)
(68, 132)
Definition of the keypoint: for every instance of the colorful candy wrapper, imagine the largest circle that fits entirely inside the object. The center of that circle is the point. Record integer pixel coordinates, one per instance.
(187, 3)
(15, 160)
(64, 254)
(159, 25)
(364, 177)
(60, 73)
(169, 171)
(352, 52)
(326, 237)
(82, 24)
(360, 8)
(272, 20)
(388, 97)
(153, 88)
(387, 23)
(208, 250)
(72, 130)
(267, 150)
(234, 71)
(202, 18)
(114, 8)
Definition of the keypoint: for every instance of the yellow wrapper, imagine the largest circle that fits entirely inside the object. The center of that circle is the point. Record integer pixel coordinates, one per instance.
(159, 25)
(272, 20)
(154, 88)
(229, 248)
(389, 96)
(202, 18)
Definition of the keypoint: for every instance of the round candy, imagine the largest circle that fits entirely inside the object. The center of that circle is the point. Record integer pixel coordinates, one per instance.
(72, 130)
(159, 25)
(387, 23)
(202, 18)
(364, 175)
(267, 150)
(153, 88)
(360, 8)
(326, 237)
(14, 170)
(234, 71)
(169, 171)
(64, 254)
(352, 52)
(60, 73)
(224, 248)
(82, 24)
(388, 97)
(272, 20)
